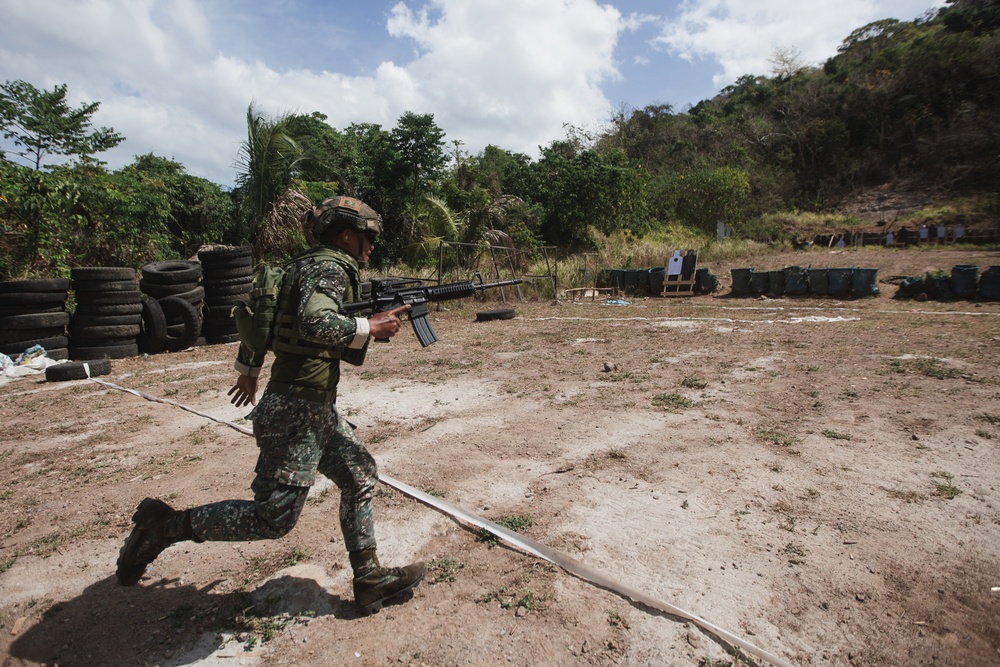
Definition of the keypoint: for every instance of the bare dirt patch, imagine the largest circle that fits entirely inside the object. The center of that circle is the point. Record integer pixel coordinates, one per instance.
(814, 475)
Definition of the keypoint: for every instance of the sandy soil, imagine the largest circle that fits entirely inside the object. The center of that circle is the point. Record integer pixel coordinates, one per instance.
(818, 477)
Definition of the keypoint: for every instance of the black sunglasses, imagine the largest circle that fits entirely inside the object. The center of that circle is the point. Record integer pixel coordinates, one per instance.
(371, 236)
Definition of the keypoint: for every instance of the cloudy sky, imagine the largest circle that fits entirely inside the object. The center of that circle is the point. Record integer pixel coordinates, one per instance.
(176, 76)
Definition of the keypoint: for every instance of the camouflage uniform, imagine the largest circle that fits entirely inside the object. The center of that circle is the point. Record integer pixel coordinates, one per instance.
(297, 426)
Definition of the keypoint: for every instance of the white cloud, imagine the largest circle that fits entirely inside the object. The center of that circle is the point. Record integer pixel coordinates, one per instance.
(742, 35)
(507, 72)
(510, 72)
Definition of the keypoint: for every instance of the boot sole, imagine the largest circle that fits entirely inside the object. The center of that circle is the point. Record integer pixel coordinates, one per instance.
(375, 607)
(143, 520)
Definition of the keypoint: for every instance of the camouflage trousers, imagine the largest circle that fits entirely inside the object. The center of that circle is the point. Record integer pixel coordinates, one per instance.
(296, 438)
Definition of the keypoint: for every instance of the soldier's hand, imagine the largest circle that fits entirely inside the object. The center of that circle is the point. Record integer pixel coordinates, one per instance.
(386, 325)
(244, 391)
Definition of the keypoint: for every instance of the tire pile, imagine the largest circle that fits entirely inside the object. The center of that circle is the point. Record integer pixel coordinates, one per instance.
(105, 323)
(228, 278)
(33, 312)
(175, 286)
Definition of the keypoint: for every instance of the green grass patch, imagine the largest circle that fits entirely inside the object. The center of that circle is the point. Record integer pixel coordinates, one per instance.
(945, 489)
(693, 382)
(673, 402)
(775, 436)
(517, 523)
(443, 570)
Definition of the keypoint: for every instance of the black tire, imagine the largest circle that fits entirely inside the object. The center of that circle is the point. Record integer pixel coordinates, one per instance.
(491, 315)
(34, 321)
(239, 290)
(176, 308)
(82, 341)
(221, 254)
(105, 320)
(101, 286)
(104, 352)
(11, 349)
(159, 291)
(153, 334)
(37, 285)
(243, 274)
(23, 298)
(58, 353)
(17, 335)
(32, 309)
(108, 298)
(74, 370)
(225, 302)
(102, 273)
(104, 331)
(108, 309)
(172, 272)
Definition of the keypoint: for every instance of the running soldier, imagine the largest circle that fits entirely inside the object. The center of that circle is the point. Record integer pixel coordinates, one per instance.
(297, 426)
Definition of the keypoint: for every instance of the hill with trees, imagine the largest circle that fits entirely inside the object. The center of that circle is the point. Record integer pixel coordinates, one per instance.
(910, 104)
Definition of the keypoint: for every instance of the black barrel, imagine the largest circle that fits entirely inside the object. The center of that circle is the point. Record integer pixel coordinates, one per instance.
(839, 282)
(796, 280)
(760, 282)
(965, 280)
(819, 281)
(864, 282)
(741, 281)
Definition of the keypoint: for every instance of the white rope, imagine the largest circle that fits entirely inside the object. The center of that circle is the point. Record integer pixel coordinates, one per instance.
(522, 542)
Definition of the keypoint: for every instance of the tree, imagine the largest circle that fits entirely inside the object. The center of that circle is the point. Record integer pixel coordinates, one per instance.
(266, 164)
(419, 142)
(42, 123)
(200, 211)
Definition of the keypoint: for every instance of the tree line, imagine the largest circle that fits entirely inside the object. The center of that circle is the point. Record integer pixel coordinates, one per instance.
(901, 100)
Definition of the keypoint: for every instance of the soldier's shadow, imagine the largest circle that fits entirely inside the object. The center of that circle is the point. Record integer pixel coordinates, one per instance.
(162, 622)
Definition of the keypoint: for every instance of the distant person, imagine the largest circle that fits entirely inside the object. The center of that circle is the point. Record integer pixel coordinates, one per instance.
(959, 233)
(841, 244)
(904, 236)
(924, 234)
(942, 233)
(890, 239)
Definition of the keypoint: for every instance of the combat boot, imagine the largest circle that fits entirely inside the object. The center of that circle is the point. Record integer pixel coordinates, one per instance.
(157, 526)
(374, 584)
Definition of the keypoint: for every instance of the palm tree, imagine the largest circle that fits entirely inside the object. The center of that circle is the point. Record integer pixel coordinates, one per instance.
(271, 203)
(479, 225)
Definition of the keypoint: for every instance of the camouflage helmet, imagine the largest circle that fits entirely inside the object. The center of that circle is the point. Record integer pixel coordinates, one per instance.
(343, 213)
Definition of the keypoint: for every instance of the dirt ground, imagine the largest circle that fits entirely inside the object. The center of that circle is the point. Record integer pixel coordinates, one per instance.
(816, 476)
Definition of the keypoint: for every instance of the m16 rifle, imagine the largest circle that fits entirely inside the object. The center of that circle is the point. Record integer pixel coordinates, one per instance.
(390, 293)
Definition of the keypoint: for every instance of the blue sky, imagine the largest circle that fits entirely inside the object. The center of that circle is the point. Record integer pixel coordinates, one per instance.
(176, 76)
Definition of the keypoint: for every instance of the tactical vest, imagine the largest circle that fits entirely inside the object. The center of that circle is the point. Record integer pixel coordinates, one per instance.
(302, 367)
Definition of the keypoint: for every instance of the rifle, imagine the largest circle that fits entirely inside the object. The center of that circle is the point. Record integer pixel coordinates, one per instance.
(390, 293)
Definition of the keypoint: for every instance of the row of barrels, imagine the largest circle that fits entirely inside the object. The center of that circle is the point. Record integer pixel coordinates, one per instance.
(804, 281)
(964, 282)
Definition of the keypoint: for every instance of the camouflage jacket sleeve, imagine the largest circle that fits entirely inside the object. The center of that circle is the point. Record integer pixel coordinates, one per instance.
(248, 363)
(322, 287)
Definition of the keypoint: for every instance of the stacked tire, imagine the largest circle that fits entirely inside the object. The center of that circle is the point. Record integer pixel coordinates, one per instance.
(176, 287)
(33, 312)
(227, 274)
(105, 323)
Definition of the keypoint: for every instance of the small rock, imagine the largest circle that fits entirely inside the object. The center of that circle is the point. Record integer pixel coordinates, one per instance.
(610, 367)
(914, 437)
